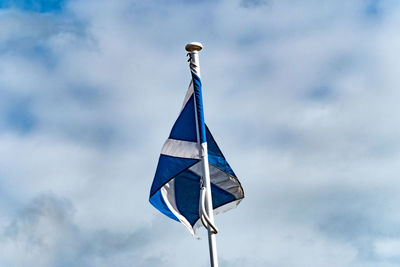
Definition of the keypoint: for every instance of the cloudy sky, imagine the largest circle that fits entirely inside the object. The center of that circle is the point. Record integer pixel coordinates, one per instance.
(302, 97)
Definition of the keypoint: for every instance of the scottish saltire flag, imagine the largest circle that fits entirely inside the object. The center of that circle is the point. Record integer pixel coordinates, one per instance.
(176, 187)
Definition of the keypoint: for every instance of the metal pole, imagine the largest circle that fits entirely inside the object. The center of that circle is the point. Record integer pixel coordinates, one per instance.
(211, 235)
(193, 49)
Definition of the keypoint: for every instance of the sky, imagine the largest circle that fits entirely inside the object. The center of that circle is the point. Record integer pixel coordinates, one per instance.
(301, 96)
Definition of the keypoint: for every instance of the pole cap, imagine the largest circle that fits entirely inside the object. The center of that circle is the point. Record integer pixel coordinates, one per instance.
(193, 46)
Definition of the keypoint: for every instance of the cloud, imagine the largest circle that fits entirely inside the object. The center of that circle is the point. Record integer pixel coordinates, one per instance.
(387, 248)
(300, 95)
(38, 233)
(253, 3)
(46, 233)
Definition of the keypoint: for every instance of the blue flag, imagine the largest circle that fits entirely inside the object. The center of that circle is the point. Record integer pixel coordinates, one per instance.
(176, 186)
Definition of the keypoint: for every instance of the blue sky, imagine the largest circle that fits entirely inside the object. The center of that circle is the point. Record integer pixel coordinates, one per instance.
(302, 97)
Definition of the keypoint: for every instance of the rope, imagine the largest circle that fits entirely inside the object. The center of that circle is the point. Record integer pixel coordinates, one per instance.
(205, 220)
(192, 64)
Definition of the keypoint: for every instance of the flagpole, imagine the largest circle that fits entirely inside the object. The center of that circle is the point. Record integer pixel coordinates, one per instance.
(193, 49)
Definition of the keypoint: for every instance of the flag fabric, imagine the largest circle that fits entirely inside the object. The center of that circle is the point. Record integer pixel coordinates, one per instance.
(176, 186)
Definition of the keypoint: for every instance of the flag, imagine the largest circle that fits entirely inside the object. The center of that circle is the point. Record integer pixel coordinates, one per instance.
(176, 186)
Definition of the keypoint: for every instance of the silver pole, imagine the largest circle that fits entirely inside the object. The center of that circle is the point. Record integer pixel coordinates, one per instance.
(211, 234)
(193, 49)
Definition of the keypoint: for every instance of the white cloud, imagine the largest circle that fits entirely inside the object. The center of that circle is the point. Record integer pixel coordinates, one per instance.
(387, 248)
(301, 96)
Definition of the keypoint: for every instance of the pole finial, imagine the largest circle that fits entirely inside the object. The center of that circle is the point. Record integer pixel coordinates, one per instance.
(193, 46)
